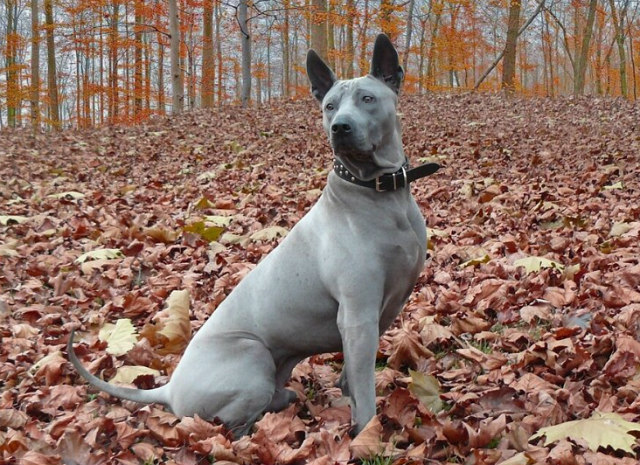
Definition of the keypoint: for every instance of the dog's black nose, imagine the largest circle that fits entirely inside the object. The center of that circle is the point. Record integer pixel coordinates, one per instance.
(341, 128)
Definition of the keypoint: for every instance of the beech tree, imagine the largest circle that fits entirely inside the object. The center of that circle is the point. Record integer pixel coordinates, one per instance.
(177, 81)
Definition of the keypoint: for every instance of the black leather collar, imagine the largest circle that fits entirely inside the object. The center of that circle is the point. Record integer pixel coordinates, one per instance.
(388, 182)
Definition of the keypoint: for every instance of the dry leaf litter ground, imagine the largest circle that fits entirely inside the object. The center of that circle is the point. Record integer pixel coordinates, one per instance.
(516, 343)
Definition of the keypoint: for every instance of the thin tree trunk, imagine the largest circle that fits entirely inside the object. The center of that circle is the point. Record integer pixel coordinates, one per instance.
(633, 68)
(208, 65)
(137, 60)
(286, 60)
(35, 65)
(113, 63)
(405, 59)
(218, 17)
(331, 40)
(363, 62)
(499, 57)
(245, 39)
(177, 80)
(12, 75)
(54, 111)
(618, 24)
(423, 26)
(319, 28)
(581, 60)
(437, 8)
(161, 97)
(350, 50)
(510, 48)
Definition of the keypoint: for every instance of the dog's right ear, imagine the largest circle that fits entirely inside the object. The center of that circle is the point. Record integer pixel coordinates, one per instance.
(320, 75)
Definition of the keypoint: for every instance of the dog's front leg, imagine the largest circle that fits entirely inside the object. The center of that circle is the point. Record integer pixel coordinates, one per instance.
(359, 331)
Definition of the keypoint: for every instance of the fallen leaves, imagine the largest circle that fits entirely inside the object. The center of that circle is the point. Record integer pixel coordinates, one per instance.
(600, 430)
(526, 318)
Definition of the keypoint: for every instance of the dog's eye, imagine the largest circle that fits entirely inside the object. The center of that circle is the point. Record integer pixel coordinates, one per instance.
(329, 106)
(368, 99)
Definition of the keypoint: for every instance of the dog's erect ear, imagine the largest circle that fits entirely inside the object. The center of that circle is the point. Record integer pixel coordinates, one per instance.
(385, 64)
(320, 75)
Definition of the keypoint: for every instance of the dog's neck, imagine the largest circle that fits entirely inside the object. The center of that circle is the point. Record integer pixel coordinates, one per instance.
(391, 181)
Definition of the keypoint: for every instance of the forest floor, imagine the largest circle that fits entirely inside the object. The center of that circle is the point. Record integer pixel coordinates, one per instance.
(495, 343)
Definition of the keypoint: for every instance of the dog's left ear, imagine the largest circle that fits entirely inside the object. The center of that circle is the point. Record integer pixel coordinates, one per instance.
(385, 64)
(320, 75)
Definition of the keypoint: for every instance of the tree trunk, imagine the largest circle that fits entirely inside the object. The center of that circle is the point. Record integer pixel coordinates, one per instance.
(618, 24)
(12, 75)
(363, 62)
(137, 60)
(208, 66)
(113, 63)
(510, 48)
(501, 54)
(35, 65)
(581, 60)
(405, 59)
(177, 81)
(350, 50)
(54, 111)
(331, 43)
(437, 9)
(286, 60)
(319, 28)
(245, 39)
(218, 17)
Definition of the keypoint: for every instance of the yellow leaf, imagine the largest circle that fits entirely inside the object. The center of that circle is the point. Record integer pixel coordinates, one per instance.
(619, 229)
(12, 219)
(8, 249)
(127, 374)
(518, 459)
(617, 185)
(601, 430)
(70, 195)
(203, 204)
(100, 254)
(208, 233)
(476, 261)
(230, 238)
(219, 220)
(207, 175)
(535, 264)
(174, 322)
(427, 389)
(120, 337)
(88, 267)
(269, 234)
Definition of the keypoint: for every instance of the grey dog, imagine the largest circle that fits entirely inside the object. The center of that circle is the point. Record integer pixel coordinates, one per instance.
(335, 283)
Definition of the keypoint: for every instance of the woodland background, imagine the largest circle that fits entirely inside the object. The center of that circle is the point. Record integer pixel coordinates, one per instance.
(84, 63)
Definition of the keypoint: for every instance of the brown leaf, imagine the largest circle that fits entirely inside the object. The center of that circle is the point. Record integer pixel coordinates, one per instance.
(406, 347)
(369, 441)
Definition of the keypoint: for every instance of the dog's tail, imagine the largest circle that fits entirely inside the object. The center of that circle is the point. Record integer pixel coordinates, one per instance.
(145, 396)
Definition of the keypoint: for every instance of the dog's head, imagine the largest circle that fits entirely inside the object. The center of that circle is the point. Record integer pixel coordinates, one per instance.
(360, 114)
